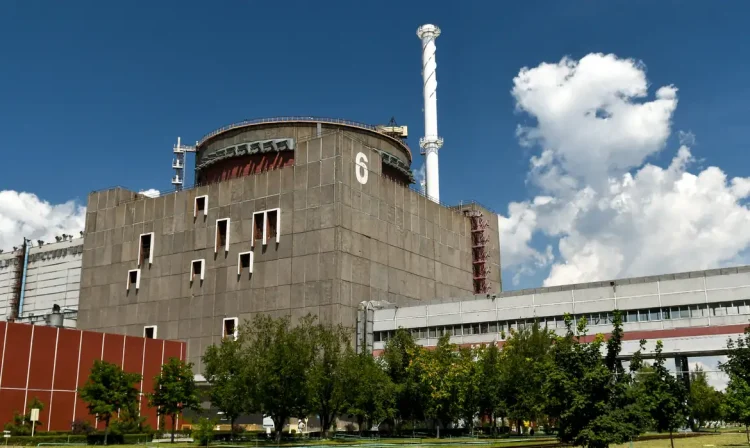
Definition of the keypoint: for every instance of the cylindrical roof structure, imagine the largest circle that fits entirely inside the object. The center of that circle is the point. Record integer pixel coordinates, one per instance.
(254, 146)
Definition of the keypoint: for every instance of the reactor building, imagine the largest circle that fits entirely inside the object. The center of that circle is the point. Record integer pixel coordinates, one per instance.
(290, 216)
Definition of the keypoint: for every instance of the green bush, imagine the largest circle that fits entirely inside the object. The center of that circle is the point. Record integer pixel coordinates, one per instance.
(117, 439)
(203, 432)
(31, 441)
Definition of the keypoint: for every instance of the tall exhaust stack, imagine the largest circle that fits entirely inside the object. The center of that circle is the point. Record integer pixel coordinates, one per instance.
(430, 143)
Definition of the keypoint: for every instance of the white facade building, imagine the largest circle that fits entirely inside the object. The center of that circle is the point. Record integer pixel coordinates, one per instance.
(52, 277)
(693, 312)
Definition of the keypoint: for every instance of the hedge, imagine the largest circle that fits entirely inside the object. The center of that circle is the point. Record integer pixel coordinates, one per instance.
(31, 441)
(117, 439)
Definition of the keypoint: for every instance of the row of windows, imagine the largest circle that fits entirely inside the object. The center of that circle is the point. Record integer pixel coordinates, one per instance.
(265, 228)
(229, 329)
(733, 308)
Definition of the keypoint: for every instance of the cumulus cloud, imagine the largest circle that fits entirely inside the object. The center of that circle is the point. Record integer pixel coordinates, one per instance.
(610, 212)
(151, 192)
(25, 215)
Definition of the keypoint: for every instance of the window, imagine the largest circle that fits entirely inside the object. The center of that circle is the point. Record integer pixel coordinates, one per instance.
(272, 220)
(433, 332)
(654, 314)
(731, 308)
(200, 206)
(643, 316)
(149, 332)
(244, 262)
(258, 219)
(458, 330)
(684, 312)
(145, 252)
(222, 234)
(229, 328)
(197, 270)
(134, 279)
(423, 333)
(266, 226)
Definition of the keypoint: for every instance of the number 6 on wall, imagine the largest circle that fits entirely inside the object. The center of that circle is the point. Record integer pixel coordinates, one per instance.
(360, 168)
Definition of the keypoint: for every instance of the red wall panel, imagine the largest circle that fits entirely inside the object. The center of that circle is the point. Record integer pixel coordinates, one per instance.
(44, 397)
(2, 342)
(172, 349)
(62, 410)
(91, 350)
(11, 400)
(16, 361)
(63, 358)
(133, 355)
(66, 366)
(42, 358)
(113, 348)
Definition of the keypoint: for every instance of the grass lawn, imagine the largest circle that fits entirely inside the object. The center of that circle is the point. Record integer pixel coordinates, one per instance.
(707, 441)
(719, 440)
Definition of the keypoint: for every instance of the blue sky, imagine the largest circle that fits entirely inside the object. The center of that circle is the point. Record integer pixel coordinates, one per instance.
(94, 94)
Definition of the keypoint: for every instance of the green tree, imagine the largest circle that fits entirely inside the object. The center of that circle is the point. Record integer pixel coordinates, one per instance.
(704, 401)
(225, 369)
(174, 391)
(278, 359)
(491, 383)
(326, 373)
(369, 391)
(203, 432)
(525, 360)
(592, 398)
(437, 371)
(667, 396)
(21, 424)
(410, 392)
(468, 386)
(736, 406)
(130, 420)
(107, 390)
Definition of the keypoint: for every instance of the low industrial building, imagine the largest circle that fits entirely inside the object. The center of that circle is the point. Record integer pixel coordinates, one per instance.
(693, 313)
(36, 277)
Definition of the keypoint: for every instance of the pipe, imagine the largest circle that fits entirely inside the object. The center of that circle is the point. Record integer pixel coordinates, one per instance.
(431, 142)
(23, 277)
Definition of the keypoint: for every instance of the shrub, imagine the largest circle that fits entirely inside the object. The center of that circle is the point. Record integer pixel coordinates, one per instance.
(117, 439)
(203, 432)
(31, 441)
(81, 427)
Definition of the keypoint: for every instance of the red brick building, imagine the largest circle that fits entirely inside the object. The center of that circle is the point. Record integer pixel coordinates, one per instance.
(51, 363)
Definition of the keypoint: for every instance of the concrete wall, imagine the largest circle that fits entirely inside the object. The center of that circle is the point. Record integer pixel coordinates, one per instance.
(341, 242)
(52, 277)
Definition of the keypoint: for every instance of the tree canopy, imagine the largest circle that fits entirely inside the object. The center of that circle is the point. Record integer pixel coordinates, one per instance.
(107, 390)
(175, 391)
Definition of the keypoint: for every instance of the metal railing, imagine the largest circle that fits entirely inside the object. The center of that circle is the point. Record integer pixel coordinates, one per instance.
(307, 119)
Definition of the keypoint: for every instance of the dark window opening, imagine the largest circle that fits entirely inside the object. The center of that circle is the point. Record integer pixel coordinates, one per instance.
(145, 249)
(258, 226)
(229, 328)
(149, 332)
(245, 261)
(197, 270)
(200, 205)
(272, 220)
(133, 278)
(221, 233)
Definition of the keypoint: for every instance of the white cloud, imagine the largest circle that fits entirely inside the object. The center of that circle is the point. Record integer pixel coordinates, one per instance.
(151, 192)
(612, 214)
(25, 215)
